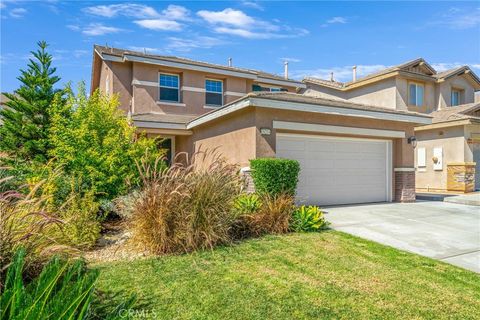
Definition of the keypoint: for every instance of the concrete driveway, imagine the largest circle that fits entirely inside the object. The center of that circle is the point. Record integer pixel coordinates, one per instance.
(444, 231)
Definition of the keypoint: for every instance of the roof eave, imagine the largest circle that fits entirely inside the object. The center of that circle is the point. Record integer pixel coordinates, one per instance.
(252, 101)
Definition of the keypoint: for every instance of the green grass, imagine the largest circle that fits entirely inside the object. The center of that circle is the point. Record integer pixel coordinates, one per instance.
(296, 276)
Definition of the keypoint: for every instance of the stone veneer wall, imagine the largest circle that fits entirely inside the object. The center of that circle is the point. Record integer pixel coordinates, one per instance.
(248, 185)
(404, 185)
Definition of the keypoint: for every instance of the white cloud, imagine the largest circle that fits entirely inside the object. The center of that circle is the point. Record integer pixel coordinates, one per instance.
(176, 44)
(127, 9)
(343, 73)
(443, 66)
(73, 27)
(175, 12)
(236, 22)
(341, 20)
(98, 29)
(335, 20)
(184, 45)
(159, 24)
(290, 59)
(17, 12)
(147, 16)
(227, 16)
(457, 18)
(252, 4)
(2, 5)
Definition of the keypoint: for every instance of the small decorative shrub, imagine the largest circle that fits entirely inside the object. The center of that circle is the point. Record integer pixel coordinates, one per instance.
(275, 176)
(124, 206)
(247, 203)
(307, 219)
(187, 207)
(63, 290)
(273, 216)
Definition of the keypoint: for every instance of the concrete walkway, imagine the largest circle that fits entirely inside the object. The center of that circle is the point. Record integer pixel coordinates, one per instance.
(444, 231)
(472, 199)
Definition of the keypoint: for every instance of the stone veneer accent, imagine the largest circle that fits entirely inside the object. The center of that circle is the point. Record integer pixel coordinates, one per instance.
(404, 184)
(248, 185)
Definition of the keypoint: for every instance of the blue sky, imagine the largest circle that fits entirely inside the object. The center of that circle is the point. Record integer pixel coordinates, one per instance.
(316, 37)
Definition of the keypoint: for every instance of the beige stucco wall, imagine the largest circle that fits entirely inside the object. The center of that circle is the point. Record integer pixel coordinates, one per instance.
(233, 136)
(392, 93)
(452, 140)
(445, 90)
(146, 97)
(402, 95)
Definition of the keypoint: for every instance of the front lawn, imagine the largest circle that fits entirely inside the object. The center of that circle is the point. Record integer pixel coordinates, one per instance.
(295, 276)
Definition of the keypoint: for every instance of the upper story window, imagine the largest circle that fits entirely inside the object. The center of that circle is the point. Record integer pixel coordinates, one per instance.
(415, 94)
(257, 87)
(455, 98)
(169, 87)
(214, 92)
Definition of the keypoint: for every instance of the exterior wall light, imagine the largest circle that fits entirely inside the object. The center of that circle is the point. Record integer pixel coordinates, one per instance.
(265, 131)
(413, 141)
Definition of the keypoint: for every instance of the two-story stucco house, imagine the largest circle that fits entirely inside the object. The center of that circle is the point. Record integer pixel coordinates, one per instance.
(349, 152)
(447, 151)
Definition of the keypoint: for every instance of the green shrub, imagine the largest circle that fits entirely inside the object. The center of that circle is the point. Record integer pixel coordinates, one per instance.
(94, 142)
(187, 207)
(81, 222)
(308, 218)
(62, 291)
(275, 176)
(247, 203)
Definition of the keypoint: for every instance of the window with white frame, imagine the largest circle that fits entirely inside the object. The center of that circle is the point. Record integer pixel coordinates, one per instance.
(415, 94)
(455, 98)
(213, 92)
(169, 87)
(257, 87)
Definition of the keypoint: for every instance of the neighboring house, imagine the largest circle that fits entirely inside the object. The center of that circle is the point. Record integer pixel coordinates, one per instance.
(448, 151)
(348, 152)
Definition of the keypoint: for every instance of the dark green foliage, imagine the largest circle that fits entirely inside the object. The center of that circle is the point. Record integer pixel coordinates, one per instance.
(64, 290)
(308, 219)
(275, 176)
(23, 135)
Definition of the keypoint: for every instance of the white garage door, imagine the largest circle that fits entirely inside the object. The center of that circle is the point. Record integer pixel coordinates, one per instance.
(338, 170)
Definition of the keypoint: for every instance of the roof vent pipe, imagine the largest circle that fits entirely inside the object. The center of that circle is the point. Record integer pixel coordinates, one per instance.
(230, 62)
(285, 69)
(354, 68)
(331, 77)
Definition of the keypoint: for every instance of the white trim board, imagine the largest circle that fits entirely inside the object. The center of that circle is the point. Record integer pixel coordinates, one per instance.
(314, 108)
(287, 125)
(136, 82)
(159, 125)
(235, 94)
(193, 89)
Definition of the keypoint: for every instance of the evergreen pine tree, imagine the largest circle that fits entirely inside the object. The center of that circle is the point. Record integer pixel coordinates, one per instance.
(23, 134)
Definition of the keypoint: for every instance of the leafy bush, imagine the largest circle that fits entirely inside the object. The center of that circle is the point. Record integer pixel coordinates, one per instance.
(94, 143)
(187, 207)
(81, 227)
(247, 203)
(275, 176)
(273, 216)
(62, 291)
(308, 218)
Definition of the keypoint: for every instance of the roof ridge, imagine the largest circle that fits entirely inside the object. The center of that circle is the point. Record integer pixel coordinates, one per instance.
(259, 73)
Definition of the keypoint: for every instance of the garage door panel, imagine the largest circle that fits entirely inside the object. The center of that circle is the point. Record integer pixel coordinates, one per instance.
(336, 170)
